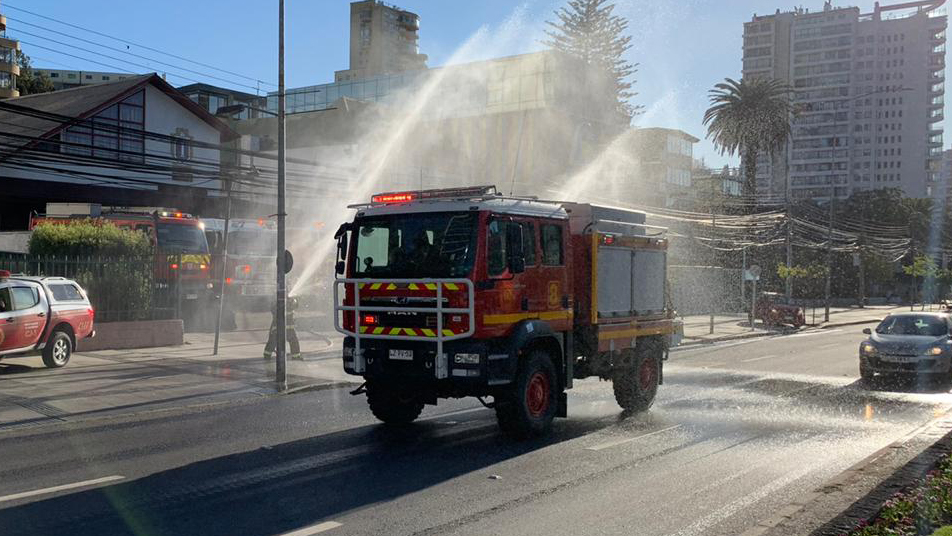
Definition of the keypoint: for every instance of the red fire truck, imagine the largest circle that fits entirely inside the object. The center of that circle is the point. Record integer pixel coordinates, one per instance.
(181, 251)
(250, 266)
(464, 292)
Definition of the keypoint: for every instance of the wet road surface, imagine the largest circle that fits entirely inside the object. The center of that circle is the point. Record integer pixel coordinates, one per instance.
(738, 430)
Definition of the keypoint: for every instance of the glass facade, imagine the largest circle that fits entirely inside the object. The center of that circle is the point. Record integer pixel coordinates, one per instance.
(507, 84)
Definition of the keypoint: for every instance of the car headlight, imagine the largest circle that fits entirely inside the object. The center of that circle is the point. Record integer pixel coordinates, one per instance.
(935, 350)
(868, 348)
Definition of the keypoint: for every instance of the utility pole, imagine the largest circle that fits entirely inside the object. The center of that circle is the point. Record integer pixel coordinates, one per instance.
(223, 262)
(281, 375)
(710, 297)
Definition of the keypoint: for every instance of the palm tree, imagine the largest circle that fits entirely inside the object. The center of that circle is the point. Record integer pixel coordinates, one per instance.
(749, 117)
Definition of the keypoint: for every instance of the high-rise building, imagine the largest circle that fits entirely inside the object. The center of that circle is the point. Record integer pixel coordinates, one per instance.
(869, 88)
(9, 69)
(383, 40)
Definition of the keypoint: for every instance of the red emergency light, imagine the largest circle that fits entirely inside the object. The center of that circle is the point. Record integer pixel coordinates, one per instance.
(4, 274)
(368, 320)
(175, 266)
(608, 240)
(393, 198)
(246, 268)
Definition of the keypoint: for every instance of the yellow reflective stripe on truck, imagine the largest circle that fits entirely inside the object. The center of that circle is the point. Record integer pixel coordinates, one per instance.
(512, 318)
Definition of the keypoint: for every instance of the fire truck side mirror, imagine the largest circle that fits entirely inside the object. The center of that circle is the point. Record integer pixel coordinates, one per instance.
(340, 267)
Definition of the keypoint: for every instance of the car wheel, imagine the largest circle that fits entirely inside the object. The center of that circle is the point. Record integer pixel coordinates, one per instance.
(866, 375)
(527, 408)
(58, 350)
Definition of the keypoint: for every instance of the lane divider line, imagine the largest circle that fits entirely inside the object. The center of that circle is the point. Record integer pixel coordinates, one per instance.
(63, 487)
(768, 356)
(314, 529)
(811, 333)
(617, 442)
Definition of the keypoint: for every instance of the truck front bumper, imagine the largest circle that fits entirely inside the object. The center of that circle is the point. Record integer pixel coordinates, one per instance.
(469, 363)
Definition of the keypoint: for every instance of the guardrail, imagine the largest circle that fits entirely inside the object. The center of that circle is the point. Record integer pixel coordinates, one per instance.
(440, 364)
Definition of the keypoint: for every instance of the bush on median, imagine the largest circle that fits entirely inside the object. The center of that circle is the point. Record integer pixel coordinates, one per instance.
(916, 512)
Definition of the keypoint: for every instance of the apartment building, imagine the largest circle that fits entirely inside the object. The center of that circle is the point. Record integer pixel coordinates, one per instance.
(383, 40)
(870, 89)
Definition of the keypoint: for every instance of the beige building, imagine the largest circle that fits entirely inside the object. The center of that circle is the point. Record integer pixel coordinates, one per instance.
(870, 89)
(9, 70)
(65, 78)
(383, 40)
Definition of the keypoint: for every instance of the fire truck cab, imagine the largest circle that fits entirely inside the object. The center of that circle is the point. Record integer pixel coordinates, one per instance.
(464, 292)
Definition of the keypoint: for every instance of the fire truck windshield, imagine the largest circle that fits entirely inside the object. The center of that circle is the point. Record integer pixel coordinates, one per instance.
(419, 245)
(179, 238)
(252, 242)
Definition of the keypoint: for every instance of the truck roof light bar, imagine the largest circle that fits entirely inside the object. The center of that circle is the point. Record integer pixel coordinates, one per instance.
(440, 193)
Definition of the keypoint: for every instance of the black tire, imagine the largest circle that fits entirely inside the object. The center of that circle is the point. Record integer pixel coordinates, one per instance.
(866, 375)
(58, 349)
(391, 406)
(526, 410)
(635, 380)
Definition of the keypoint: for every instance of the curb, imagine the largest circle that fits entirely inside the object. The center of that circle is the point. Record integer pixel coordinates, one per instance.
(868, 504)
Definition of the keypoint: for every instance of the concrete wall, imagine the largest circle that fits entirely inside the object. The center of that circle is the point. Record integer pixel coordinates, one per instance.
(14, 241)
(125, 335)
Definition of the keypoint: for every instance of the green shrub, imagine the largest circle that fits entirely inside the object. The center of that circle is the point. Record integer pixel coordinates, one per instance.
(87, 237)
(944, 531)
(114, 265)
(918, 511)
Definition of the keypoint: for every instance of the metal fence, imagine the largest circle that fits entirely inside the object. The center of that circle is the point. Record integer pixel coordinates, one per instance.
(119, 288)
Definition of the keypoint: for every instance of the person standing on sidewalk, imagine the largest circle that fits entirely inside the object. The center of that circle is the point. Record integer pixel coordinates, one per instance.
(292, 338)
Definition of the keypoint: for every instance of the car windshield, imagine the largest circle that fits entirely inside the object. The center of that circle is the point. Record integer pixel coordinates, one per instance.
(417, 245)
(180, 238)
(913, 325)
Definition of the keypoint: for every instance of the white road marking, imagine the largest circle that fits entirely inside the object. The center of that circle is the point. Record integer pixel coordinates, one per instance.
(768, 356)
(617, 442)
(715, 346)
(830, 345)
(63, 487)
(314, 529)
(810, 333)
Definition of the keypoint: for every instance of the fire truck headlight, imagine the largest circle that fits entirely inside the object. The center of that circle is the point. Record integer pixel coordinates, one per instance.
(208, 285)
(466, 359)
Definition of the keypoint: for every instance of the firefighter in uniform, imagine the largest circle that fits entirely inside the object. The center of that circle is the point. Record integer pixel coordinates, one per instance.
(292, 339)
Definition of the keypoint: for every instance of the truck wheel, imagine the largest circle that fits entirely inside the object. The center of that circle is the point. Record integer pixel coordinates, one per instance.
(529, 406)
(58, 349)
(635, 382)
(391, 406)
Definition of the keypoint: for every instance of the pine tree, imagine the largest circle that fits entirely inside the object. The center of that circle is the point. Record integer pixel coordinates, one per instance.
(589, 31)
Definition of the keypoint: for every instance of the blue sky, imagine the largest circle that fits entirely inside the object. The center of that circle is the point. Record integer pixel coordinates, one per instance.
(684, 47)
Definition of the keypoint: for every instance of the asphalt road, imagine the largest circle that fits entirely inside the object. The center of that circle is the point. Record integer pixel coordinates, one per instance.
(738, 430)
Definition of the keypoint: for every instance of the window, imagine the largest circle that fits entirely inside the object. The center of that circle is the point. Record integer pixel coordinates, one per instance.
(54, 75)
(5, 302)
(24, 297)
(66, 292)
(552, 245)
(497, 250)
(117, 128)
(529, 242)
(105, 78)
(89, 77)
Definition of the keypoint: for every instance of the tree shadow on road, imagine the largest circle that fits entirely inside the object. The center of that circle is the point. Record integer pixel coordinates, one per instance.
(288, 486)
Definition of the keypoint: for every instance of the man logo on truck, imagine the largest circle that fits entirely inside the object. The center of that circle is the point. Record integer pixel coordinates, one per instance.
(516, 299)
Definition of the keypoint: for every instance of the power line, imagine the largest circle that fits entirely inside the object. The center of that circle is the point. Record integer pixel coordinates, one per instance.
(124, 41)
(118, 50)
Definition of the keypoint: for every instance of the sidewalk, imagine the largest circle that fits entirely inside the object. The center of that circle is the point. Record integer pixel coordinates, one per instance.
(110, 382)
(735, 326)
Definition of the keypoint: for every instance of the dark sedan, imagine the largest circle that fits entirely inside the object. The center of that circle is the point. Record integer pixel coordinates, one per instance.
(908, 344)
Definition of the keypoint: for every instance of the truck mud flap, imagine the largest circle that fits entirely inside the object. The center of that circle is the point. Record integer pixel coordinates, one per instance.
(563, 409)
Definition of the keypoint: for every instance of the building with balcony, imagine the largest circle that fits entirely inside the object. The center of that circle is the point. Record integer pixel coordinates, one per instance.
(211, 98)
(9, 69)
(383, 40)
(870, 89)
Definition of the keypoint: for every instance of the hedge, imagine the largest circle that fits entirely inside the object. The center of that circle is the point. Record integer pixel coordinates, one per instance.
(87, 238)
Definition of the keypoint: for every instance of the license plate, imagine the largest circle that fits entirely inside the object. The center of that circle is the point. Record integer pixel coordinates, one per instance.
(900, 358)
(405, 355)
(191, 296)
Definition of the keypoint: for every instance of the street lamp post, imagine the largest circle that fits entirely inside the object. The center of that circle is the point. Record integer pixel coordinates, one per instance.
(281, 376)
(829, 235)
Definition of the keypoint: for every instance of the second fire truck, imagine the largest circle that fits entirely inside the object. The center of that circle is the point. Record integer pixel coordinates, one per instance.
(464, 292)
